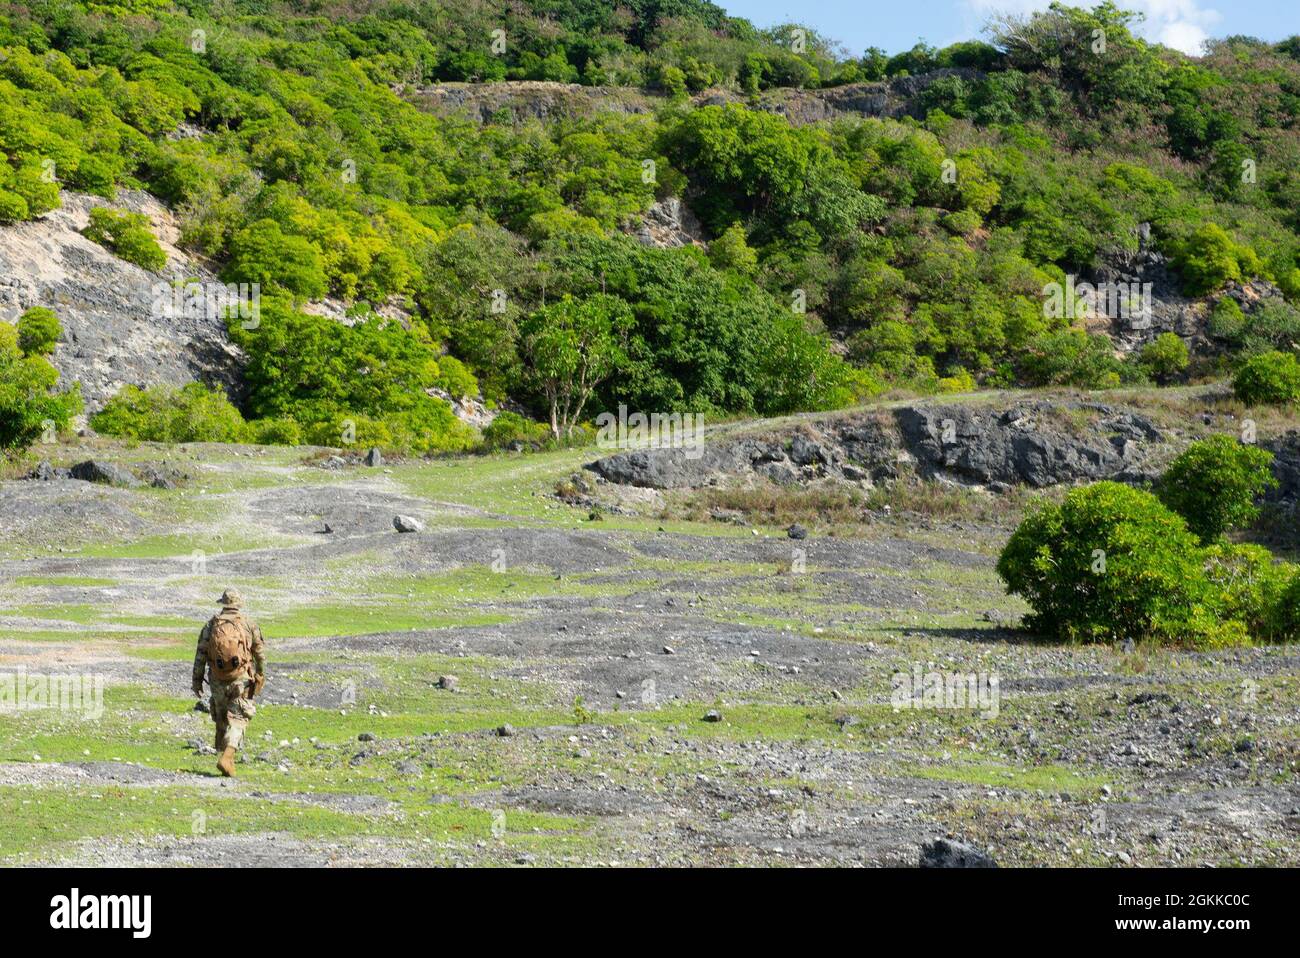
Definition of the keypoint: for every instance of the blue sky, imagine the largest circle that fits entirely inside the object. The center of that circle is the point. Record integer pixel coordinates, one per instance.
(896, 25)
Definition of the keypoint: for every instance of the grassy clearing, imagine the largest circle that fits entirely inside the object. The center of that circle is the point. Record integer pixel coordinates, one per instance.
(969, 768)
(63, 581)
(39, 823)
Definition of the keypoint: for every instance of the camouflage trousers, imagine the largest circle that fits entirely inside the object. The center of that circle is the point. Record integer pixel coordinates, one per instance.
(232, 710)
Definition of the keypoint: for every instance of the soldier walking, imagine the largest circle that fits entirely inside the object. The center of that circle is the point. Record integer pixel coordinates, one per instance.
(231, 652)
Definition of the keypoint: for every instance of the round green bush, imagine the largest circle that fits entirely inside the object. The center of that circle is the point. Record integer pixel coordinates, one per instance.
(1164, 357)
(1112, 563)
(38, 331)
(1270, 378)
(1227, 321)
(28, 404)
(1213, 485)
(1285, 618)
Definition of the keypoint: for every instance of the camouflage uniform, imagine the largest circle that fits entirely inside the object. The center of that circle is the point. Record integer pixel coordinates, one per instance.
(232, 701)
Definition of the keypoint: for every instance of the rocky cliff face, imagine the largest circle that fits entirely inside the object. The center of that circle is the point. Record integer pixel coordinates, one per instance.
(1030, 442)
(535, 99)
(1170, 311)
(526, 100)
(112, 334)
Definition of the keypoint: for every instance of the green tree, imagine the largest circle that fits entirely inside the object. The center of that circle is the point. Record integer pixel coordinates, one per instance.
(571, 347)
(263, 254)
(1165, 357)
(30, 406)
(731, 251)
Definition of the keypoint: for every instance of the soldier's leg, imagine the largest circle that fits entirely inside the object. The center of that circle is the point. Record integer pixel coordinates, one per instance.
(218, 707)
(239, 713)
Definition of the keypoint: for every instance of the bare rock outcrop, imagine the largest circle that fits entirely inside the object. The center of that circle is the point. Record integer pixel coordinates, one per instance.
(1029, 442)
(523, 100)
(112, 333)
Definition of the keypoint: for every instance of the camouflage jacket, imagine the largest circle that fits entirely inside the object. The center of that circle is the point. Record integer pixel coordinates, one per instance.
(255, 643)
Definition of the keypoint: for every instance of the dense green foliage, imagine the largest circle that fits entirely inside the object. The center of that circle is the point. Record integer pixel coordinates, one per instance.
(1164, 357)
(1249, 586)
(1271, 378)
(1213, 485)
(365, 384)
(1112, 562)
(278, 132)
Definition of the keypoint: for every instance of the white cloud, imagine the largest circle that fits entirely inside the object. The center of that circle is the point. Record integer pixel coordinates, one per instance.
(1181, 24)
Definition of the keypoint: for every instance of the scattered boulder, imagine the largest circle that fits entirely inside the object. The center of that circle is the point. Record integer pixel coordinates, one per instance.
(47, 473)
(163, 475)
(505, 731)
(713, 715)
(374, 457)
(797, 531)
(946, 853)
(105, 473)
(407, 524)
(448, 682)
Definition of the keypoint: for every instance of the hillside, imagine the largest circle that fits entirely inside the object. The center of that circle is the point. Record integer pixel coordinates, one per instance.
(866, 222)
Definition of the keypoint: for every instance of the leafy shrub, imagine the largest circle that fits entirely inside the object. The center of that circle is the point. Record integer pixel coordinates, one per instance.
(365, 384)
(193, 413)
(1071, 358)
(509, 428)
(276, 432)
(1273, 325)
(1285, 619)
(1210, 258)
(455, 379)
(1213, 485)
(38, 331)
(1254, 589)
(1271, 378)
(962, 222)
(264, 255)
(1164, 357)
(1112, 563)
(127, 235)
(349, 429)
(1227, 321)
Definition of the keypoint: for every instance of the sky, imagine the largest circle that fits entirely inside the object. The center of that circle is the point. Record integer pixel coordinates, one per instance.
(896, 25)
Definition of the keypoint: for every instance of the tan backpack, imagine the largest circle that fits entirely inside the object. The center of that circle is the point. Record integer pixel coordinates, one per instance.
(228, 648)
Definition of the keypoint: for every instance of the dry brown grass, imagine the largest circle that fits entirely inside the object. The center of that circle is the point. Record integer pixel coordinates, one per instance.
(831, 507)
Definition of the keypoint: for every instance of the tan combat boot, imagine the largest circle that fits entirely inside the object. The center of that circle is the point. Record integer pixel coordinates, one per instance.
(226, 764)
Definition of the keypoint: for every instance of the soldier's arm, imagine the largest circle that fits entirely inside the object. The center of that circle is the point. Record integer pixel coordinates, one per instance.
(259, 651)
(201, 655)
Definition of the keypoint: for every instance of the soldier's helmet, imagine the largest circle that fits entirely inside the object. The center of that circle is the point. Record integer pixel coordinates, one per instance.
(230, 599)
